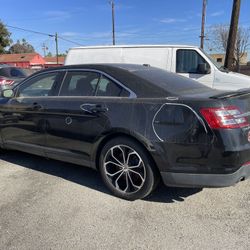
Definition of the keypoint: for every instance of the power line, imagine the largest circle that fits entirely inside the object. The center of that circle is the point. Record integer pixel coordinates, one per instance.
(44, 34)
(67, 40)
(32, 31)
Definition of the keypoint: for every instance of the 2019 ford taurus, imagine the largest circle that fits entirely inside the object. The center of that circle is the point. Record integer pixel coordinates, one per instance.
(135, 124)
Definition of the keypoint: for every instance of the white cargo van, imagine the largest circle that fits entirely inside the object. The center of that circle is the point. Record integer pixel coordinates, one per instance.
(188, 61)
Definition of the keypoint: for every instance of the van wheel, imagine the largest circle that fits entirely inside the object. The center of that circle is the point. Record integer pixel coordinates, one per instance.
(126, 169)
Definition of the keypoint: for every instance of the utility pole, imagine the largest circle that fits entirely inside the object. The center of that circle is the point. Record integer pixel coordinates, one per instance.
(44, 48)
(229, 60)
(113, 20)
(56, 40)
(202, 36)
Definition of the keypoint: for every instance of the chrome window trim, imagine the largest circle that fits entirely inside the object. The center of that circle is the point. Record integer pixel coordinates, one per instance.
(131, 93)
(33, 76)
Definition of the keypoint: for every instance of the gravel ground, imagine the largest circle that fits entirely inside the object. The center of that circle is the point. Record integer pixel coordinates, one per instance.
(47, 204)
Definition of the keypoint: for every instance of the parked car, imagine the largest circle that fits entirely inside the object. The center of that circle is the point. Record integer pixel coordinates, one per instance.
(10, 76)
(189, 61)
(134, 124)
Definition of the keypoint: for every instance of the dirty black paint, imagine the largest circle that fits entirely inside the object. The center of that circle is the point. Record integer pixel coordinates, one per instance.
(168, 123)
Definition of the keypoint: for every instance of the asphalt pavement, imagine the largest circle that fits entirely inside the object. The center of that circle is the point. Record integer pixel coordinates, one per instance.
(46, 204)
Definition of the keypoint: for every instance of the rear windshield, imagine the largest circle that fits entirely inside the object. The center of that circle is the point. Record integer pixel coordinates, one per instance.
(171, 82)
(12, 72)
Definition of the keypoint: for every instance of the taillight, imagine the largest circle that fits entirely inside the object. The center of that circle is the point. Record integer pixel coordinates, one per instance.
(246, 164)
(226, 117)
(6, 81)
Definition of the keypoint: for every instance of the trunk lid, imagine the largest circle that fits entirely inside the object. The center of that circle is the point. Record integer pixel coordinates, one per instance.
(240, 99)
(237, 100)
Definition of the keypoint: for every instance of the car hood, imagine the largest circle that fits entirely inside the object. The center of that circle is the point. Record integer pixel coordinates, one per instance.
(231, 80)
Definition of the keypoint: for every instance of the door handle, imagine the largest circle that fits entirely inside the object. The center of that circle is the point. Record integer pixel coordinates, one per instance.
(94, 108)
(36, 107)
(98, 109)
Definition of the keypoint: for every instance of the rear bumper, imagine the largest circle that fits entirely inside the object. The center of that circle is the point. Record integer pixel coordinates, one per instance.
(205, 180)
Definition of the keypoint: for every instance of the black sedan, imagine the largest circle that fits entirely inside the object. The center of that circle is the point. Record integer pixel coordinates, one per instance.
(135, 124)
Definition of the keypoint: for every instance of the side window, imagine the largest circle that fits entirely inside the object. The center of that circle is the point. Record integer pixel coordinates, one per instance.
(106, 87)
(80, 84)
(41, 85)
(189, 61)
(17, 73)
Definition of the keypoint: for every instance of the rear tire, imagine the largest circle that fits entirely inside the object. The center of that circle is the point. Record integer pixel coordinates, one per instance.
(126, 169)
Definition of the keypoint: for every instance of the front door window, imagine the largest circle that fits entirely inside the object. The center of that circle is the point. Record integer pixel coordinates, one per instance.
(41, 85)
(188, 61)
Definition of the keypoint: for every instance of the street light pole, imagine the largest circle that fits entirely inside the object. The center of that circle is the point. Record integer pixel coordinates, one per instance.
(44, 48)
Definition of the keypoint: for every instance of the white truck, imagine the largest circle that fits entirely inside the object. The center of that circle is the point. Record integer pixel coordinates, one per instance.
(188, 61)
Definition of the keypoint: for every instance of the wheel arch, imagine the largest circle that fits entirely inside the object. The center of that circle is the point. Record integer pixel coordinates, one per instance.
(142, 141)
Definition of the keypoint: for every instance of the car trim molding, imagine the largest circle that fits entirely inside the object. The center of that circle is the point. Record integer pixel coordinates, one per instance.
(131, 93)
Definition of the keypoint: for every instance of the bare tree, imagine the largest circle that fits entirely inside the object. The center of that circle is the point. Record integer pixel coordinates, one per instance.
(218, 36)
(242, 44)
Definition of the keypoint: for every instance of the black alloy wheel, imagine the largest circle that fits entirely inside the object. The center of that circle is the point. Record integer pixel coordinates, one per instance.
(126, 169)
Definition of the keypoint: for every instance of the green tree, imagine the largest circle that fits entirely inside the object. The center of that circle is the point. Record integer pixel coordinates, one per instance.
(49, 54)
(62, 54)
(5, 40)
(21, 47)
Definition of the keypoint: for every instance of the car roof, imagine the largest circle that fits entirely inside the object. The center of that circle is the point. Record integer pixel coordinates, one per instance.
(125, 66)
(145, 81)
(122, 73)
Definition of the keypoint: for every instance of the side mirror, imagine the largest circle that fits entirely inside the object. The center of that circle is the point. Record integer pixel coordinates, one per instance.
(204, 68)
(8, 93)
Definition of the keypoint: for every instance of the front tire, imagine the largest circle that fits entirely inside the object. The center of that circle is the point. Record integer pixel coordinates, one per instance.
(127, 169)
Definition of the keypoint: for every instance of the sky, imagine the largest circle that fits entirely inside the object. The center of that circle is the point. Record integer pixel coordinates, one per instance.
(89, 22)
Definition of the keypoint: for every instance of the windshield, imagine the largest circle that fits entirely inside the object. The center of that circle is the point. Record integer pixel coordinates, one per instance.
(213, 61)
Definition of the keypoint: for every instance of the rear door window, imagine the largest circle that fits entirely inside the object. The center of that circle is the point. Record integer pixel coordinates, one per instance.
(80, 84)
(107, 87)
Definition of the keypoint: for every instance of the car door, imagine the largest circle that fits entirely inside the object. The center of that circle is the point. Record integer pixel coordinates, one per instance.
(23, 116)
(191, 64)
(78, 118)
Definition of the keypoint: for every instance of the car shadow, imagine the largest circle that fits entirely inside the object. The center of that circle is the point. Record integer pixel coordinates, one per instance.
(165, 194)
(88, 177)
